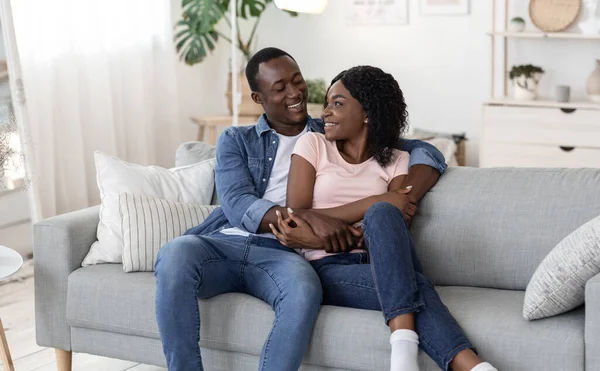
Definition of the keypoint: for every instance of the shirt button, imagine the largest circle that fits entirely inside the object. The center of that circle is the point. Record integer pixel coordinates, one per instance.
(264, 180)
(273, 142)
(270, 159)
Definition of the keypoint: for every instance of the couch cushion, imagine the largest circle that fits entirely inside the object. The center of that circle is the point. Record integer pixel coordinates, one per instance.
(191, 152)
(103, 297)
(493, 227)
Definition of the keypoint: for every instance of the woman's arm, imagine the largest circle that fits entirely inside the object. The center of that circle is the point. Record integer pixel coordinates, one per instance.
(301, 184)
(300, 188)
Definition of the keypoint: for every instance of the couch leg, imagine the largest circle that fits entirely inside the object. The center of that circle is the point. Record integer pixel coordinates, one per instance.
(63, 360)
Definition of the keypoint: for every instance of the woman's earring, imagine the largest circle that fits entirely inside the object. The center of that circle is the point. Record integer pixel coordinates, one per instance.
(366, 121)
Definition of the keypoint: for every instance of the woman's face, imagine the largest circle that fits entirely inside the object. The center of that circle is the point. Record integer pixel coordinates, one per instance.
(344, 116)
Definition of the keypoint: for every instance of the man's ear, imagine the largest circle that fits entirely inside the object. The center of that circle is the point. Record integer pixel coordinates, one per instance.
(256, 98)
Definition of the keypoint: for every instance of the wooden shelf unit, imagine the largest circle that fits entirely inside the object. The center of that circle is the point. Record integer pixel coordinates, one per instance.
(543, 103)
(536, 133)
(545, 35)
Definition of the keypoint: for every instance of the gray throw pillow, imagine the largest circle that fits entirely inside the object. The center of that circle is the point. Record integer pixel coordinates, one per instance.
(558, 284)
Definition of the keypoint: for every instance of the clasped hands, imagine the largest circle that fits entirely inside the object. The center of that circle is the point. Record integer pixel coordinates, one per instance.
(309, 229)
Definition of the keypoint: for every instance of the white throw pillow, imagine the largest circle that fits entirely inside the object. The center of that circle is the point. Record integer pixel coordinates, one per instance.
(148, 223)
(558, 284)
(190, 184)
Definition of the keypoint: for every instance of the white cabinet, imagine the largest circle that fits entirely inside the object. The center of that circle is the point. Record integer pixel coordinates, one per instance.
(519, 136)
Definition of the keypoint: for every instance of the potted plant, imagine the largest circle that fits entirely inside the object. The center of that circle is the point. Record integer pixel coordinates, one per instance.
(316, 96)
(201, 27)
(525, 80)
(517, 24)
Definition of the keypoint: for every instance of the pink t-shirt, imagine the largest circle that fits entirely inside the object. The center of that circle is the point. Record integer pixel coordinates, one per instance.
(339, 182)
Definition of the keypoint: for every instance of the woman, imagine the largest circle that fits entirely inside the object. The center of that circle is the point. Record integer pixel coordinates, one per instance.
(364, 116)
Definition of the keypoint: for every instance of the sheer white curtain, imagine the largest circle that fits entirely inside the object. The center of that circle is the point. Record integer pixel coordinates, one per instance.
(97, 75)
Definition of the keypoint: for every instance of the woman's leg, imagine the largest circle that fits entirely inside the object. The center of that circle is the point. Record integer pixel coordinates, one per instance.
(367, 287)
(390, 243)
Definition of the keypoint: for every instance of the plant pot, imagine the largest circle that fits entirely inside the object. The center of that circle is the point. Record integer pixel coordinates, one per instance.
(516, 24)
(593, 84)
(314, 109)
(526, 88)
(524, 94)
(247, 105)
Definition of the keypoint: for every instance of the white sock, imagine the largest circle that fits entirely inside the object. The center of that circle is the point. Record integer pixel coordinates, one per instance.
(484, 366)
(405, 348)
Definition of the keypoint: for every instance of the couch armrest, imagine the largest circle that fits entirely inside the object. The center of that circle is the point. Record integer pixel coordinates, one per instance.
(59, 246)
(592, 324)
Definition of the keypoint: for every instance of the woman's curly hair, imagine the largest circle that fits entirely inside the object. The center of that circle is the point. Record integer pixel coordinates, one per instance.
(382, 99)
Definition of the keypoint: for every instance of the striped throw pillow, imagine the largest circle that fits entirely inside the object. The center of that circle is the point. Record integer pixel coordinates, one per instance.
(148, 223)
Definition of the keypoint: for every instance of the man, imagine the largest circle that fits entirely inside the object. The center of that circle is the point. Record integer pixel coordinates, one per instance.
(233, 251)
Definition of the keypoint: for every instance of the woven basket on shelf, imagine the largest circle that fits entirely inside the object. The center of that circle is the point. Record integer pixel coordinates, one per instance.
(554, 15)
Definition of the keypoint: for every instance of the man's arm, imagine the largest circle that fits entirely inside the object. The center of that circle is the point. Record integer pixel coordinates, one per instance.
(422, 178)
(426, 165)
(244, 209)
(237, 192)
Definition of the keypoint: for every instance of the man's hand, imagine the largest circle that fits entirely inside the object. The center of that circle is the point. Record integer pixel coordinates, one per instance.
(295, 232)
(404, 201)
(334, 235)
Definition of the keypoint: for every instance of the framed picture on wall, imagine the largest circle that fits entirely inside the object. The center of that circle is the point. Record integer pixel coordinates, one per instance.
(444, 7)
(377, 12)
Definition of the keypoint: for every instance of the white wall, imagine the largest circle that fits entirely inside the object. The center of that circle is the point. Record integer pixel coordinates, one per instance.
(202, 87)
(441, 62)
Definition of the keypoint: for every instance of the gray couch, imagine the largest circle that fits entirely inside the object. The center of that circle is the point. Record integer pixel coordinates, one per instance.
(480, 234)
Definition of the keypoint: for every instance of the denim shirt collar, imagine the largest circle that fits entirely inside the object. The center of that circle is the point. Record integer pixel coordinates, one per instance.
(262, 126)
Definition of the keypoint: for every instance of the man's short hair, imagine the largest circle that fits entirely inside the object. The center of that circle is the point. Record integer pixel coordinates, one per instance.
(262, 56)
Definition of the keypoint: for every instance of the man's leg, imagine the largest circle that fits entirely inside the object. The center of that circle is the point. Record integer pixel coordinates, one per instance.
(187, 268)
(381, 285)
(282, 278)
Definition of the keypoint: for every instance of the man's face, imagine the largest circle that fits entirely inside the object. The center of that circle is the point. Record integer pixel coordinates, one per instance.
(282, 91)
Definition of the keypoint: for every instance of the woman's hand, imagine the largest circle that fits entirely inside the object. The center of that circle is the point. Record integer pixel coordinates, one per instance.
(335, 234)
(300, 236)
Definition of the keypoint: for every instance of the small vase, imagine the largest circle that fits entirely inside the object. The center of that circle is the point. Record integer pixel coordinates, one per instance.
(593, 84)
(589, 19)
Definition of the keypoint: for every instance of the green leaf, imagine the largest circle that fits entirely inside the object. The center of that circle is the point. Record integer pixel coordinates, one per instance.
(254, 8)
(194, 33)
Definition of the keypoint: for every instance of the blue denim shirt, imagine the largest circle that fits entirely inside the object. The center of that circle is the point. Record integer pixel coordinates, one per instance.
(245, 157)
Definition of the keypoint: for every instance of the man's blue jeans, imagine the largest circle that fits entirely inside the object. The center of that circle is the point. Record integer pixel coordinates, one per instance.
(389, 278)
(192, 267)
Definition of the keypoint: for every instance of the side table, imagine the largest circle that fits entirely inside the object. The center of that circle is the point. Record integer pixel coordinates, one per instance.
(207, 126)
(10, 263)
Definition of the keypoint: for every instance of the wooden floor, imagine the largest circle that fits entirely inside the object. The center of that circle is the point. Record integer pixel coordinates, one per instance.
(17, 313)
